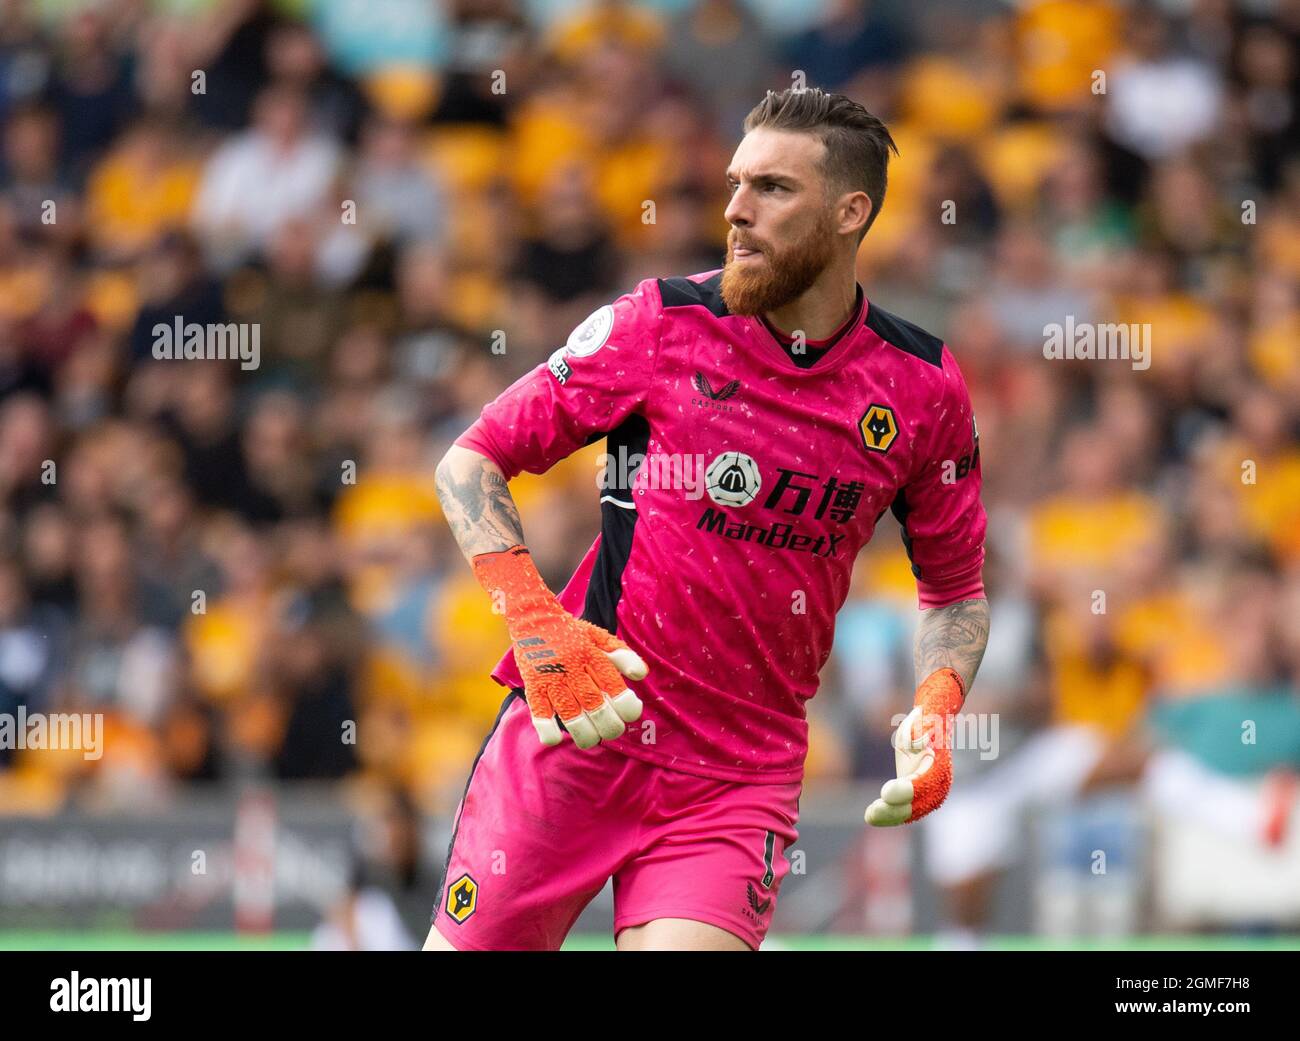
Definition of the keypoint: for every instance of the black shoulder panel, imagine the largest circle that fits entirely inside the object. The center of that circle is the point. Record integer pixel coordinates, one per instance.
(904, 335)
(681, 292)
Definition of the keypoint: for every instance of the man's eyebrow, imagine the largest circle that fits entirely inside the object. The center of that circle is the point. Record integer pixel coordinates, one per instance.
(764, 176)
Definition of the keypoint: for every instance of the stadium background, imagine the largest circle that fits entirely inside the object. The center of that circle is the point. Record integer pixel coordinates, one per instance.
(499, 158)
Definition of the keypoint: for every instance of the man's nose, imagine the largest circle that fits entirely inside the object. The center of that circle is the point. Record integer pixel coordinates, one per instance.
(737, 212)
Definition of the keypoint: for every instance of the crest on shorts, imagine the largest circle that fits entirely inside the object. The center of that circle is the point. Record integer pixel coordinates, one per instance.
(462, 899)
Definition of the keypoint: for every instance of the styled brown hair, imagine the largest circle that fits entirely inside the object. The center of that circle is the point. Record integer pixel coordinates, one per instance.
(857, 143)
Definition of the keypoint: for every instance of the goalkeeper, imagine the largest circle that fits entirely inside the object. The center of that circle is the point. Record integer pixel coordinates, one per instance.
(655, 729)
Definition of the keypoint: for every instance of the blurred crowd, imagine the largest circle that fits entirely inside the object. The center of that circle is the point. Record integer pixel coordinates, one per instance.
(246, 570)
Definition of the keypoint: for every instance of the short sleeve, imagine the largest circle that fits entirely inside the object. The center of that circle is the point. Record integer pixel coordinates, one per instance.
(587, 388)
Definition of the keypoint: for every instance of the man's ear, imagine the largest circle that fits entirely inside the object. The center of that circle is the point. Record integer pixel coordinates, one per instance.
(854, 207)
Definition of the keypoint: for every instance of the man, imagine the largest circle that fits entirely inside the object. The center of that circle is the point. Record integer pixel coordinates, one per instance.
(788, 414)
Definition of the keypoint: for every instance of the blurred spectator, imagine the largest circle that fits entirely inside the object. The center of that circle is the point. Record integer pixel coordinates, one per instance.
(364, 918)
(852, 38)
(397, 198)
(278, 170)
(91, 90)
(142, 189)
(228, 44)
(724, 54)
(173, 281)
(33, 177)
(1160, 101)
(487, 43)
(31, 647)
(295, 58)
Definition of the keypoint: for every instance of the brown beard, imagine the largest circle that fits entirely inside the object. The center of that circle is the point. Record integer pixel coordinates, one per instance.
(783, 277)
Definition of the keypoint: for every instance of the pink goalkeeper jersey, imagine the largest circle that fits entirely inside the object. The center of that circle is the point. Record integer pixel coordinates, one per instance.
(725, 554)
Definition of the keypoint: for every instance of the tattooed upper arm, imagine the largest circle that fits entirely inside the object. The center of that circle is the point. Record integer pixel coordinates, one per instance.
(477, 502)
(952, 637)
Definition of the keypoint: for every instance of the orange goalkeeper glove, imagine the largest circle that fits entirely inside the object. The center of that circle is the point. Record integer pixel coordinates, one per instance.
(922, 754)
(570, 667)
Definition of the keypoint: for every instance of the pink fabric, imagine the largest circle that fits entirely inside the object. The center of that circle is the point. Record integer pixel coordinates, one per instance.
(733, 605)
(541, 830)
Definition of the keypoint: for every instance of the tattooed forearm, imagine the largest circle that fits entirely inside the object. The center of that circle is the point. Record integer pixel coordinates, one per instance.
(477, 503)
(952, 637)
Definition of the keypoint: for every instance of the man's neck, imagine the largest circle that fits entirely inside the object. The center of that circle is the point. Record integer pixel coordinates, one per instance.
(820, 311)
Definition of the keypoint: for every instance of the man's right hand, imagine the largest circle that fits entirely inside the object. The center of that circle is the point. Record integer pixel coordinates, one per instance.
(572, 670)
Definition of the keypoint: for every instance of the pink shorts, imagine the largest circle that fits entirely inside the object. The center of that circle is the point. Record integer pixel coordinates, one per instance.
(540, 830)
